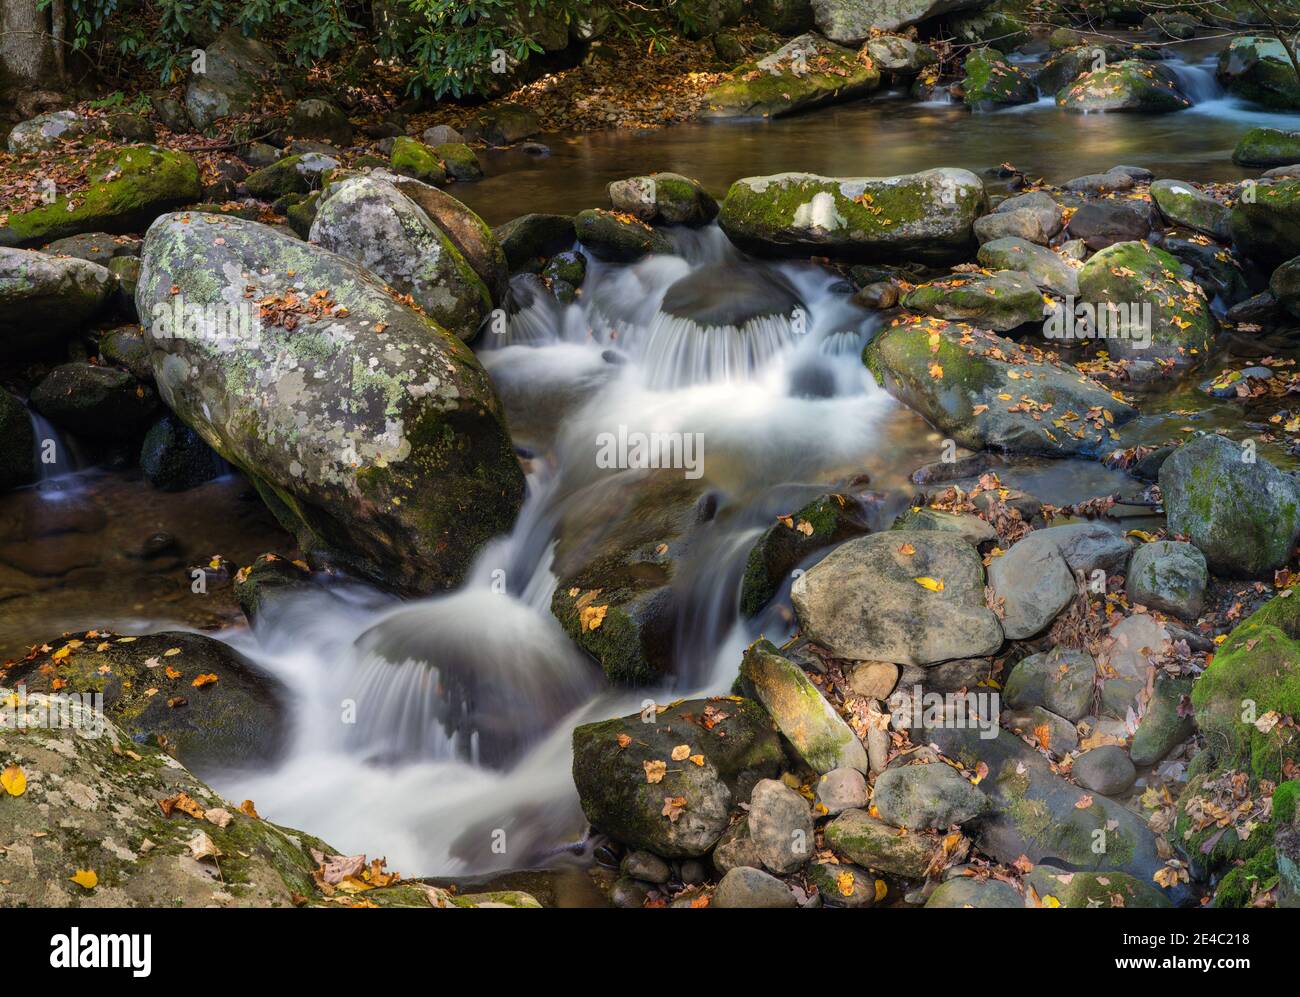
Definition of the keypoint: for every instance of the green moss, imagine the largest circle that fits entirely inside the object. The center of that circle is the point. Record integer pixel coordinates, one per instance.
(1285, 798)
(415, 159)
(1255, 875)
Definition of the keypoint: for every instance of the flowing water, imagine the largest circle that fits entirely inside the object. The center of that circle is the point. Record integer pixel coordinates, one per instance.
(437, 731)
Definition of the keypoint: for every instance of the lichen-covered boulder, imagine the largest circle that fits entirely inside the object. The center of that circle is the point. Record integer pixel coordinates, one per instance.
(1181, 203)
(851, 22)
(236, 70)
(1266, 226)
(669, 198)
(991, 82)
(1168, 576)
(374, 224)
(93, 401)
(960, 380)
(469, 233)
(401, 477)
(1131, 85)
(1180, 326)
(800, 711)
(924, 216)
(1257, 68)
(1001, 301)
(1267, 147)
(634, 787)
(43, 299)
(48, 131)
(128, 188)
(1237, 508)
(806, 72)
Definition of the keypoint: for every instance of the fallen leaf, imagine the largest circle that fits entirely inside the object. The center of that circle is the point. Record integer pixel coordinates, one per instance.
(654, 770)
(85, 878)
(13, 780)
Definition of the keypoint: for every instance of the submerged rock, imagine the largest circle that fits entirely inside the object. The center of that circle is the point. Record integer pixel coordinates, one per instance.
(806, 72)
(401, 478)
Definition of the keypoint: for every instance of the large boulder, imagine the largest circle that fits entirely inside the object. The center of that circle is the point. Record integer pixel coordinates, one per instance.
(921, 796)
(371, 222)
(985, 391)
(992, 82)
(1258, 68)
(925, 216)
(851, 22)
(128, 188)
(1131, 85)
(806, 72)
(1003, 300)
(401, 477)
(1123, 281)
(47, 131)
(634, 787)
(1266, 225)
(669, 198)
(95, 402)
(469, 233)
(1237, 508)
(235, 71)
(43, 299)
(1267, 147)
(910, 597)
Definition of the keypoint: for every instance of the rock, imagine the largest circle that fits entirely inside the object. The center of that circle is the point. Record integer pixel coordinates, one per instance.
(669, 198)
(805, 72)
(963, 891)
(782, 548)
(1067, 65)
(748, 887)
(416, 160)
(1060, 680)
(237, 721)
(921, 796)
(1169, 577)
(44, 299)
(260, 584)
(615, 239)
(862, 601)
(1044, 267)
(1266, 228)
(1106, 770)
(851, 21)
(402, 479)
(702, 18)
(1109, 888)
(48, 131)
(839, 790)
(96, 402)
(901, 57)
(174, 458)
(780, 826)
(86, 796)
(128, 188)
(96, 247)
(125, 347)
(645, 866)
(1182, 204)
(739, 750)
(372, 223)
(736, 848)
(1284, 285)
(236, 71)
(991, 82)
(873, 679)
(18, 464)
(800, 711)
(1105, 223)
(1034, 217)
(988, 27)
(1281, 172)
(1219, 273)
(628, 894)
(1243, 516)
(319, 119)
(1131, 85)
(785, 17)
(977, 367)
(503, 124)
(441, 135)
(873, 844)
(1258, 309)
(1000, 301)
(1267, 147)
(1132, 276)
(529, 239)
(1258, 69)
(469, 233)
(924, 216)
(1166, 723)
(842, 885)
(975, 530)
(459, 161)
(290, 175)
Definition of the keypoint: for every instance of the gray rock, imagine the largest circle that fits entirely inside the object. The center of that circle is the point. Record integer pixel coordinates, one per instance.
(319, 119)
(45, 298)
(236, 70)
(744, 886)
(1001, 301)
(1167, 722)
(851, 22)
(974, 530)
(780, 826)
(963, 891)
(439, 134)
(841, 789)
(96, 402)
(1105, 223)
(628, 894)
(873, 844)
(174, 458)
(921, 796)
(645, 866)
(1106, 770)
(669, 198)
(1061, 680)
(1046, 268)
(843, 885)
(736, 848)
(1050, 730)
(1168, 576)
(47, 131)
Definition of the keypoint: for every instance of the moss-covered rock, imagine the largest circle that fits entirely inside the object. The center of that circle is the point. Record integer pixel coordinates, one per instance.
(400, 478)
(1257, 68)
(876, 845)
(128, 188)
(414, 159)
(1182, 203)
(260, 583)
(529, 240)
(1237, 508)
(17, 444)
(125, 346)
(43, 299)
(618, 239)
(806, 72)
(458, 161)
(669, 198)
(290, 175)
(1047, 269)
(96, 402)
(503, 124)
(626, 774)
(922, 216)
(1131, 85)
(1166, 723)
(1284, 285)
(1001, 301)
(965, 892)
(1127, 278)
(1267, 147)
(1088, 890)
(991, 82)
(973, 397)
(1265, 223)
(1067, 65)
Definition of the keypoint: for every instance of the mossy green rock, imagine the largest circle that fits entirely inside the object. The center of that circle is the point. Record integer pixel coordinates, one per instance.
(371, 222)
(615, 239)
(963, 891)
(927, 796)
(1181, 203)
(976, 368)
(414, 159)
(806, 72)
(17, 444)
(44, 299)
(237, 721)
(93, 401)
(800, 711)
(129, 187)
(873, 844)
(738, 745)
(1068, 64)
(1266, 225)
(991, 82)
(832, 518)
(290, 175)
(1046, 268)
(1166, 723)
(1093, 889)
(400, 478)
(1285, 286)
(92, 802)
(459, 161)
(1267, 147)
(1237, 508)
(529, 240)
(1131, 85)
(1257, 68)
(923, 216)
(1133, 275)
(1001, 301)
(125, 346)
(669, 198)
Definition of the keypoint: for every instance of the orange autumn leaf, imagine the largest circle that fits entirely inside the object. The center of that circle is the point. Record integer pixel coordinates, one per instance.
(205, 679)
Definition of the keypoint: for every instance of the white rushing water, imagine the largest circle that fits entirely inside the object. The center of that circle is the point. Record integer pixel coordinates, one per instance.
(430, 730)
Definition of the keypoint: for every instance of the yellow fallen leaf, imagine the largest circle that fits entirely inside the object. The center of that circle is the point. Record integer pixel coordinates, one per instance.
(844, 883)
(591, 617)
(933, 584)
(654, 770)
(881, 890)
(681, 752)
(202, 680)
(13, 780)
(85, 878)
